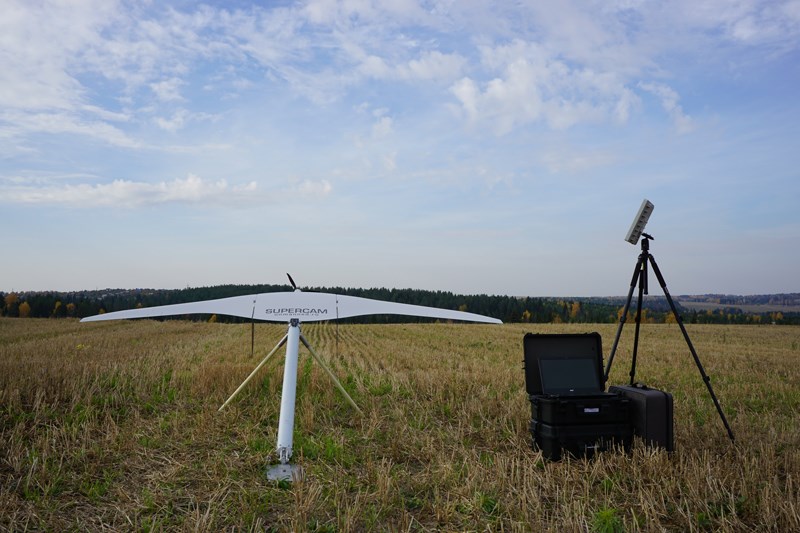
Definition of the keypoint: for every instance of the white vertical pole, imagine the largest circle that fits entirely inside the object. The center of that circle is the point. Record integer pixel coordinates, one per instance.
(286, 420)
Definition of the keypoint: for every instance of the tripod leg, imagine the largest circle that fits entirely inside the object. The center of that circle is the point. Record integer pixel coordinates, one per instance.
(253, 373)
(697, 362)
(623, 318)
(642, 290)
(319, 360)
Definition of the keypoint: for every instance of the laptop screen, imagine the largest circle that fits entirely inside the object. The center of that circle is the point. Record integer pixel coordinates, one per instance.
(569, 375)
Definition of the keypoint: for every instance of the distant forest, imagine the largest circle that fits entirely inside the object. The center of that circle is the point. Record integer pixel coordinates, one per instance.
(79, 304)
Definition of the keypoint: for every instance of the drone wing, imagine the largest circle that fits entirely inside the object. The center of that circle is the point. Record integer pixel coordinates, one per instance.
(241, 306)
(353, 306)
(304, 306)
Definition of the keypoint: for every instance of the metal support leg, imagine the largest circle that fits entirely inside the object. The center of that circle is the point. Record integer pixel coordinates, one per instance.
(622, 319)
(319, 360)
(706, 379)
(642, 291)
(253, 373)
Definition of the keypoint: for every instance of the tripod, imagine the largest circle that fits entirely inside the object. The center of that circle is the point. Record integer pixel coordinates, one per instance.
(640, 275)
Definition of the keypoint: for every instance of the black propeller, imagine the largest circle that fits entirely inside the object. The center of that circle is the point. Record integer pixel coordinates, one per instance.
(294, 285)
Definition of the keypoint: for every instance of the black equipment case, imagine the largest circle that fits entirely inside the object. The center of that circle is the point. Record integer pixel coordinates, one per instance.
(601, 408)
(651, 414)
(563, 356)
(578, 439)
(569, 408)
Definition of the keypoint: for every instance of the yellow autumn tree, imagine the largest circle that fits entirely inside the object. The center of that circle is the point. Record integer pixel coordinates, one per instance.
(629, 316)
(12, 301)
(24, 310)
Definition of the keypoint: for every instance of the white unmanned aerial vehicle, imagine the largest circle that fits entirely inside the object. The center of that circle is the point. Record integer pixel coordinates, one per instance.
(293, 307)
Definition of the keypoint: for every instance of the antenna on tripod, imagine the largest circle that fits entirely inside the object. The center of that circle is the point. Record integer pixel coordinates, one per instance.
(636, 229)
(640, 275)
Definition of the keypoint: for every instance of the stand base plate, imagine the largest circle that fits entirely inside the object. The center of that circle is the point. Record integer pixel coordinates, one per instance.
(285, 472)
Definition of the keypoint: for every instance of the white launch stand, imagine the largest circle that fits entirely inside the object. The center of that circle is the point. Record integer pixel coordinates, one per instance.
(286, 471)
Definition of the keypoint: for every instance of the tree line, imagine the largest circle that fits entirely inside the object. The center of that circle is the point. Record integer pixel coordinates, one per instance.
(80, 304)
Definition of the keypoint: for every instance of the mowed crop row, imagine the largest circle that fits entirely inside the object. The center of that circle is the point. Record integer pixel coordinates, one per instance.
(115, 425)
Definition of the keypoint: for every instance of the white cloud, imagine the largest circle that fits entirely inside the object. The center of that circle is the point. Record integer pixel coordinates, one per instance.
(172, 124)
(428, 66)
(753, 23)
(39, 44)
(181, 118)
(61, 190)
(312, 188)
(572, 161)
(390, 161)
(19, 123)
(345, 12)
(62, 65)
(572, 64)
(105, 114)
(433, 66)
(126, 193)
(467, 93)
(670, 102)
(532, 85)
(627, 101)
(561, 64)
(382, 128)
(168, 90)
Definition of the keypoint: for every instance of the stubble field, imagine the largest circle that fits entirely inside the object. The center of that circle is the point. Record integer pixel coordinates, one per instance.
(114, 426)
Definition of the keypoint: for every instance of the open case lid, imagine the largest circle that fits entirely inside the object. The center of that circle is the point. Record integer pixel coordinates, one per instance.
(563, 363)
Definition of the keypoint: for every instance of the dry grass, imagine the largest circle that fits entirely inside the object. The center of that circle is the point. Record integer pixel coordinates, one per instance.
(115, 426)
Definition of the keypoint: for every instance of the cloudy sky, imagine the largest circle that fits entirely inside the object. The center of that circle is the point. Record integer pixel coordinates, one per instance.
(470, 146)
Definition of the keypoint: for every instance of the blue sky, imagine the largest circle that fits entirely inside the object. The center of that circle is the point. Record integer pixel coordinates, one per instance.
(468, 146)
